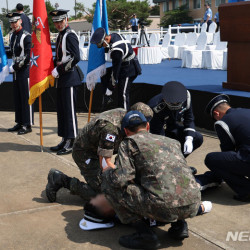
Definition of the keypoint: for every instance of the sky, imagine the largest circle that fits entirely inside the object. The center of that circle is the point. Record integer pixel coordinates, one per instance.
(63, 4)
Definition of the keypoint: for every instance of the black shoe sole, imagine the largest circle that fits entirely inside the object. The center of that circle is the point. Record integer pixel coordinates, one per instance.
(64, 152)
(48, 189)
(24, 132)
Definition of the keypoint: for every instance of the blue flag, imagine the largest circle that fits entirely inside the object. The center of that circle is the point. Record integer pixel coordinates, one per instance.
(96, 60)
(4, 70)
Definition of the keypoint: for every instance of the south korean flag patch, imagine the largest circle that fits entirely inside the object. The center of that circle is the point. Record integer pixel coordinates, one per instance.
(110, 137)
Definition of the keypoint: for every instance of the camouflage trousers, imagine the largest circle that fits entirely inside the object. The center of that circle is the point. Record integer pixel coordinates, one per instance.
(90, 169)
(135, 204)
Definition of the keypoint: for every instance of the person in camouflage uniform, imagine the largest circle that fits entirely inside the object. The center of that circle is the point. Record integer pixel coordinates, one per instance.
(98, 141)
(150, 179)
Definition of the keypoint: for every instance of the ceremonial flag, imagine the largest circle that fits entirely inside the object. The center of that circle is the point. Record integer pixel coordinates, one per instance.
(96, 60)
(41, 59)
(4, 71)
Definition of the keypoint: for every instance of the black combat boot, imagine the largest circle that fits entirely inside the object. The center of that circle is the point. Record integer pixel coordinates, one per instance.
(144, 238)
(59, 146)
(56, 180)
(67, 148)
(193, 170)
(178, 230)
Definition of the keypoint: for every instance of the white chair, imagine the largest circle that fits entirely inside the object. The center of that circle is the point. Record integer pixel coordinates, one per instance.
(180, 40)
(193, 58)
(84, 51)
(154, 40)
(204, 27)
(190, 43)
(212, 27)
(213, 59)
(128, 37)
(134, 40)
(216, 39)
(165, 44)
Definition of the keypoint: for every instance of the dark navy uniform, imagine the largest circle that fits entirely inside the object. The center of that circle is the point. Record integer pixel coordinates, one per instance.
(26, 23)
(20, 44)
(67, 56)
(125, 67)
(233, 163)
(176, 124)
(124, 61)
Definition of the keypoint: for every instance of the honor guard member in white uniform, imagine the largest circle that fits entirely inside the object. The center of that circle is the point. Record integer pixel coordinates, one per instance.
(20, 44)
(67, 79)
(173, 116)
(125, 65)
(232, 164)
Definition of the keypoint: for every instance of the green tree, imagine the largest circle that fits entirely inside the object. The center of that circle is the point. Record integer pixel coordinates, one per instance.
(121, 11)
(180, 15)
(49, 8)
(5, 20)
(80, 11)
(155, 10)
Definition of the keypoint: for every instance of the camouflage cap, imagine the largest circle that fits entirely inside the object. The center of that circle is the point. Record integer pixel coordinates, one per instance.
(144, 109)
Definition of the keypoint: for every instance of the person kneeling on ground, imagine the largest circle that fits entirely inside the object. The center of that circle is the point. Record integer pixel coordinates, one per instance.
(150, 179)
(98, 141)
(232, 165)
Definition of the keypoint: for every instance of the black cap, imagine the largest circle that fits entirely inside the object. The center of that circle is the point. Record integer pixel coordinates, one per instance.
(58, 15)
(14, 16)
(19, 6)
(174, 92)
(98, 37)
(217, 100)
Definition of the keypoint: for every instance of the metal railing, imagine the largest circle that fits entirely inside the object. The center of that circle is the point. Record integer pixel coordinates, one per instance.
(162, 31)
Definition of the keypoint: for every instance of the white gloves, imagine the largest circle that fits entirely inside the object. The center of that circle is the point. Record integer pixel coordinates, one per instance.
(11, 70)
(90, 85)
(54, 73)
(188, 145)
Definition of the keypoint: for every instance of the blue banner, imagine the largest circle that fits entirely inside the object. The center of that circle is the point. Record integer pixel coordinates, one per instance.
(4, 71)
(96, 59)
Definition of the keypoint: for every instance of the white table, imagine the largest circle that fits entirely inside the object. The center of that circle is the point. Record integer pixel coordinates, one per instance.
(149, 55)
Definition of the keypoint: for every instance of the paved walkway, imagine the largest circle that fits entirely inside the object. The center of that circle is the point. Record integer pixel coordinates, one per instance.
(29, 221)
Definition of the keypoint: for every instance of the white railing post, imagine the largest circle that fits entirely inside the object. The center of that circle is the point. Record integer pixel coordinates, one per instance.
(199, 26)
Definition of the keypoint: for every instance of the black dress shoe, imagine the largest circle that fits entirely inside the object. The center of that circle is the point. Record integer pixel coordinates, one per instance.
(24, 130)
(243, 198)
(67, 148)
(15, 128)
(59, 146)
(64, 151)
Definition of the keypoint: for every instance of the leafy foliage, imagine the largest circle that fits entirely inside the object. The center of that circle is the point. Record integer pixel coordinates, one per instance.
(5, 20)
(155, 10)
(177, 16)
(120, 12)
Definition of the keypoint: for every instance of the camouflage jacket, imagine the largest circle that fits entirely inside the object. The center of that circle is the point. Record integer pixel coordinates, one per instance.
(155, 164)
(102, 135)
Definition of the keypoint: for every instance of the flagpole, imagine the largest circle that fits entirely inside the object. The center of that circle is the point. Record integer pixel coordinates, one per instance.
(90, 104)
(41, 122)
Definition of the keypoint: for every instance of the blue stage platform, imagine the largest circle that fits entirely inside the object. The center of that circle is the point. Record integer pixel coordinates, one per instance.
(202, 84)
(193, 79)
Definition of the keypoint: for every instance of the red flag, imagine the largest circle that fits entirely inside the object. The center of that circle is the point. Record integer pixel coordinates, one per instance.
(41, 59)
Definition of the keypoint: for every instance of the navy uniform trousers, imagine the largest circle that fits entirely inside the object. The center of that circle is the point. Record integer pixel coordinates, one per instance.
(66, 114)
(228, 167)
(24, 113)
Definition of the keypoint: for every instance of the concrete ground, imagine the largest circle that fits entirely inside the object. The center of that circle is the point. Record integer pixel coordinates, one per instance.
(29, 221)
